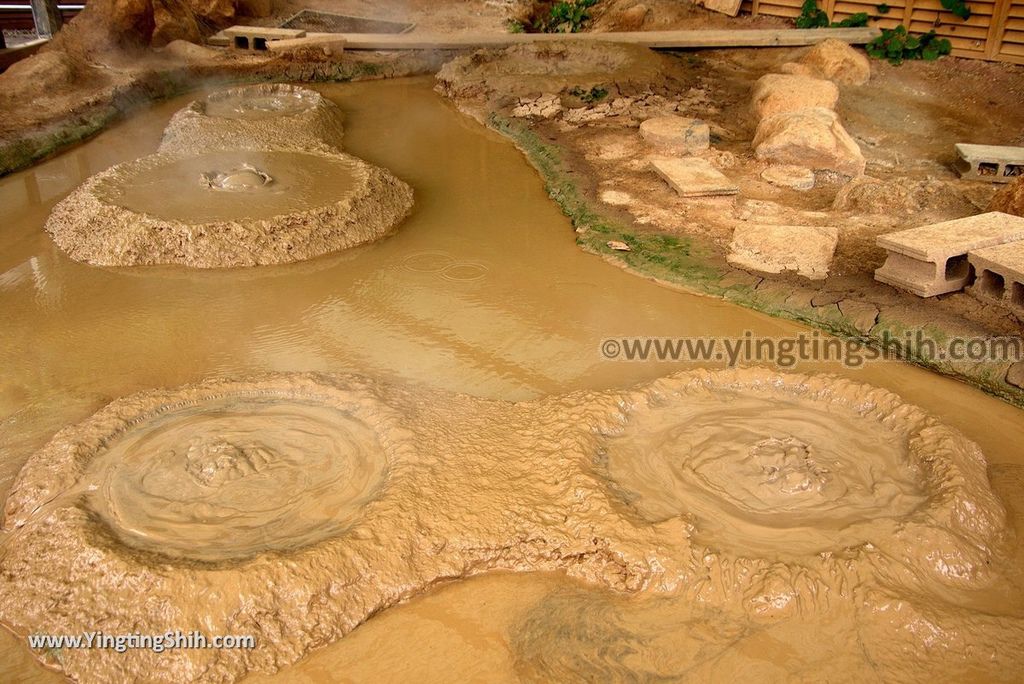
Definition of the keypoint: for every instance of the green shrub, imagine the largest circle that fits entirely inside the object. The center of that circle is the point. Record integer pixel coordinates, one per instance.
(957, 7)
(896, 45)
(812, 16)
(568, 16)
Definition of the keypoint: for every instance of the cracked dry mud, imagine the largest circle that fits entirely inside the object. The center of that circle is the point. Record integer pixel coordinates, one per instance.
(618, 489)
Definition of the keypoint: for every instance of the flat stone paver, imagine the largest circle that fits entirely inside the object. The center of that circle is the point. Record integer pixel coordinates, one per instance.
(806, 250)
(793, 177)
(694, 177)
(999, 275)
(932, 260)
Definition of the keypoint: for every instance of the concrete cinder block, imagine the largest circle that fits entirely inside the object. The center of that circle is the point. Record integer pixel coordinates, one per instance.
(258, 38)
(992, 163)
(999, 275)
(932, 260)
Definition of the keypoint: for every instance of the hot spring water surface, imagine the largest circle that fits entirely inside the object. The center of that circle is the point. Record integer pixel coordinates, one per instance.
(481, 291)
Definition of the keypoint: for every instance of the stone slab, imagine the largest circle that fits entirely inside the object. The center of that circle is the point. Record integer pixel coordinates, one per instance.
(786, 176)
(694, 177)
(330, 43)
(999, 275)
(728, 7)
(676, 133)
(805, 250)
(268, 32)
(932, 260)
(992, 163)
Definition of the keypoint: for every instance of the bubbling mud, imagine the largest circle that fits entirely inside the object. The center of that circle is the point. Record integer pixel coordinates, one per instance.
(191, 189)
(276, 115)
(764, 474)
(297, 506)
(231, 478)
(228, 208)
(800, 467)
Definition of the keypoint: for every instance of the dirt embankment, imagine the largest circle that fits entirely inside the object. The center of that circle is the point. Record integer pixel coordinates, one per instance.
(580, 126)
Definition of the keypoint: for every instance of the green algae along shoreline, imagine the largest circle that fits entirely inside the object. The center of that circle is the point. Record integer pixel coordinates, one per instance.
(688, 264)
(679, 262)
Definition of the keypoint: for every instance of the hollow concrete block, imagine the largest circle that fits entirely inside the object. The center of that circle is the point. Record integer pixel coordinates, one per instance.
(932, 260)
(999, 275)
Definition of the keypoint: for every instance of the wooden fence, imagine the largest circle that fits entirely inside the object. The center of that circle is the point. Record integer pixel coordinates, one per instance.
(994, 31)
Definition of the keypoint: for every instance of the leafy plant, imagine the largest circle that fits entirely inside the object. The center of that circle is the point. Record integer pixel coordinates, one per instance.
(883, 8)
(958, 8)
(515, 26)
(568, 16)
(595, 94)
(896, 45)
(858, 19)
(812, 16)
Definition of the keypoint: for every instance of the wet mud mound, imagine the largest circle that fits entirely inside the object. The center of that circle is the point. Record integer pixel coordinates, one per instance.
(294, 507)
(231, 208)
(269, 116)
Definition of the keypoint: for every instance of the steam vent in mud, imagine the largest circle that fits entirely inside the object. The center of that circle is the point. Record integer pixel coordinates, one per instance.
(246, 177)
(546, 342)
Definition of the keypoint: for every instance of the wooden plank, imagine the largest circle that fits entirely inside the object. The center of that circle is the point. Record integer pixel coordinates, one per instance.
(997, 28)
(651, 39)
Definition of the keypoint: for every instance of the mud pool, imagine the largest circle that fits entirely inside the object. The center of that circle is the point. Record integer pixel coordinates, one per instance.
(482, 291)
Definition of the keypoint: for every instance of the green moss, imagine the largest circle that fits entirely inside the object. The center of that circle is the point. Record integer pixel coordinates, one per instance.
(688, 263)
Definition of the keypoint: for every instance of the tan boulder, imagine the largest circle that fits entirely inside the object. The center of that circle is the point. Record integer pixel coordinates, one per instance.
(813, 138)
(835, 60)
(779, 93)
(255, 8)
(189, 20)
(1010, 198)
(805, 250)
(797, 69)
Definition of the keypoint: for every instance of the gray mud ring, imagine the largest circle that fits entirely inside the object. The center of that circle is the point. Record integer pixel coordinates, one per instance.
(93, 230)
(470, 485)
(304, 120)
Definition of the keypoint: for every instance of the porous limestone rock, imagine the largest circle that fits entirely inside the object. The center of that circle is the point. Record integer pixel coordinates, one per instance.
(679, 134)
(779, 93)
(805, 250)
(1010, 198)
(837, 61)
(813, 138)
(793, 177)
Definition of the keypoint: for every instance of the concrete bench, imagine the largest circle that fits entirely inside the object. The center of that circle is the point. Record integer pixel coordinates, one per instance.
(999, 275)
(257, 38)
(990, 163)
(932, 260)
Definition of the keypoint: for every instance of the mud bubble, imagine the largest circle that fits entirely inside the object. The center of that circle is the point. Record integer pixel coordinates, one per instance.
(199, 209)
(294, 507)
(791, 467)
(272, 115)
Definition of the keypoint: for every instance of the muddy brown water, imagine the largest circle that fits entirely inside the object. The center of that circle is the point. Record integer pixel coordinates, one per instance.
(483, 291)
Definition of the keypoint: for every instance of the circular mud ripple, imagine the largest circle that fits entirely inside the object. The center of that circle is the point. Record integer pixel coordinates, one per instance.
(260, 102)
(787, 466)
(230, 186)
(228, 478)
(227, 208)
(273, 115)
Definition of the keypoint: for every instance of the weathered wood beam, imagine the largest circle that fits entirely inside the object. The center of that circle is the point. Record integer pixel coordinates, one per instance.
(651, 39)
